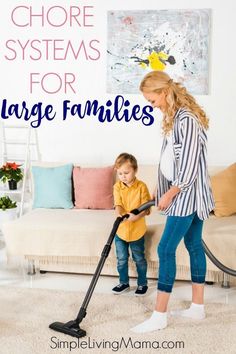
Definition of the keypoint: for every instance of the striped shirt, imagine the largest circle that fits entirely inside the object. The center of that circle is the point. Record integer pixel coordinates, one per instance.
(190, 168)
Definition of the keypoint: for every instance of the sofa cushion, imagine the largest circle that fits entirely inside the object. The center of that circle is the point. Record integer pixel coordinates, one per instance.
(52, 187)
(224, 191)
(93, 187)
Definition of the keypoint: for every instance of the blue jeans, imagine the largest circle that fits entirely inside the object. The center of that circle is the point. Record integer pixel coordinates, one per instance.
(177, 227)
(122, 254)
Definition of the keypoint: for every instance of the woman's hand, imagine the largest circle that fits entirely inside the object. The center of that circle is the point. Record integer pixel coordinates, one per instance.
(164, 201)
(167, 198)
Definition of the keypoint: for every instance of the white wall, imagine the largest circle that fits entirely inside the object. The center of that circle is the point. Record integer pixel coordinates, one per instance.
(90, 142)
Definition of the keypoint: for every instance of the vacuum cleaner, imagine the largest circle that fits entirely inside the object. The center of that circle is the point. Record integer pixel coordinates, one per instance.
(72, 328)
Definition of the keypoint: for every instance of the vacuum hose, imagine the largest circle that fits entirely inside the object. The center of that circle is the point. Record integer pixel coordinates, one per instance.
(217, 262)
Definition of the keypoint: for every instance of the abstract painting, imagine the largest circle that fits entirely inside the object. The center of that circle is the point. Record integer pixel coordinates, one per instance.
(175, 41)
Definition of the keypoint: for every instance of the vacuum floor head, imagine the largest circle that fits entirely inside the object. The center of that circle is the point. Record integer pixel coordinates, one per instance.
(71, 328)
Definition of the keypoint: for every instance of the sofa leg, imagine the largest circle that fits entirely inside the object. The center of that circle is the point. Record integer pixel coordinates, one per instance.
(31, 267)
(225, 282)
(42, 271)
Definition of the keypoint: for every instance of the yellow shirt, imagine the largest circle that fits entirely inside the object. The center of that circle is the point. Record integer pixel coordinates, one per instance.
(130, 198)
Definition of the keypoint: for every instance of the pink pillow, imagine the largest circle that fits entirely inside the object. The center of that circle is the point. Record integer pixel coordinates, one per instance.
(93, 187)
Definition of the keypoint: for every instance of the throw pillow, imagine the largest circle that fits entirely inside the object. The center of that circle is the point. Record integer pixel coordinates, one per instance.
(93, 187)
(53, 187)
(224, 191)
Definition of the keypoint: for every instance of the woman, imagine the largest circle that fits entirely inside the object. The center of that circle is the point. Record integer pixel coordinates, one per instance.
(183, 192)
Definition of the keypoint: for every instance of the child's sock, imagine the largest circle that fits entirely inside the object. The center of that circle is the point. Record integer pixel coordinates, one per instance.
(158, 320)
(195, 311)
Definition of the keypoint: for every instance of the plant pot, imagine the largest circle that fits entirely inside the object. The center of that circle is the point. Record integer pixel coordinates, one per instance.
(12, 184)
(7, 215)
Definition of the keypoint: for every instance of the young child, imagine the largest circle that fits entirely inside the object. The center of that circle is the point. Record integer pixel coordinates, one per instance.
(130, 193)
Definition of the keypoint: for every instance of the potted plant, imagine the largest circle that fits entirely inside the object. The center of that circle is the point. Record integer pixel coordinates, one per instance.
(8, 209)
(12, 173)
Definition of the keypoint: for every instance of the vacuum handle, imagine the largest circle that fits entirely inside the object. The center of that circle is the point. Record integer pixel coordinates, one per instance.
(104, 255)
(143, 207)
(137, 211)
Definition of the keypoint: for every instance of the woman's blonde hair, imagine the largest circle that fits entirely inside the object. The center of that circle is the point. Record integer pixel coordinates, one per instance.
(176, 97)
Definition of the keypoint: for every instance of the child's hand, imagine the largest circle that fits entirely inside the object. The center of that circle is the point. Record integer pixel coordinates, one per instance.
(133, 217)
(119, 211)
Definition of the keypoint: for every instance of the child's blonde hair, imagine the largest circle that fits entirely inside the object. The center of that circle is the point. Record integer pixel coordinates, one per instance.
(176, 97)
(125, 157)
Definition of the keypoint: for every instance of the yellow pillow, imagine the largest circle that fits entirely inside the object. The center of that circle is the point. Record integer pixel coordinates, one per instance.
(224, 191)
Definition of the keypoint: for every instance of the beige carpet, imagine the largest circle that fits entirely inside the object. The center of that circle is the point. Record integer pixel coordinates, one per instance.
(26, 313)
